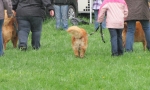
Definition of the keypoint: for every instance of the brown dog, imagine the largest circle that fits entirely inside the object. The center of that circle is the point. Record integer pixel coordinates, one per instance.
(139, 35)
(9, 30)
(79, 40)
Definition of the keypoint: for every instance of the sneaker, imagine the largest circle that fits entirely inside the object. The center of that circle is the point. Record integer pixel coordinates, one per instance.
(22, 48)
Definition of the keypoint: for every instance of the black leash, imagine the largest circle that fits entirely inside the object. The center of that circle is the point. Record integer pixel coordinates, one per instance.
(15, 25)
(101, 32)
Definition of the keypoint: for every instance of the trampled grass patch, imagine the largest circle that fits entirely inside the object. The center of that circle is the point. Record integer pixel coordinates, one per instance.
(54, 66)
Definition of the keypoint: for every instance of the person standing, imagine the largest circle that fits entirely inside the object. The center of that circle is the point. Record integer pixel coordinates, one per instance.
(4, 5)
(139, 12)
(61, 13)
(96, 6)
(30, 14)
(117, 11)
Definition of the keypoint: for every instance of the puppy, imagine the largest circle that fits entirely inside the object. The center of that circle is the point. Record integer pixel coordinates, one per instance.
(139, 35)
(9, 30)
(79, 40)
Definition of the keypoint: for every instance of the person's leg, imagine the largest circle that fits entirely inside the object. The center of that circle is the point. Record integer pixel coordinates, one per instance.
(119, 41)
(130, 36)
(36, 29)
(64, 12)
(1, 38)
(23, 32)
(104, 23)
(57, 9)
(146, 28)
(96, 24)
(114, 45)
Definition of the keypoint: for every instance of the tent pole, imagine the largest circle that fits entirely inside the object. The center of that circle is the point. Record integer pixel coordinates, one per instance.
(90, 11)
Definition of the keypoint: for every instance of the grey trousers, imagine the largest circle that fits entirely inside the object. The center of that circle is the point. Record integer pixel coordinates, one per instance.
(27, 24)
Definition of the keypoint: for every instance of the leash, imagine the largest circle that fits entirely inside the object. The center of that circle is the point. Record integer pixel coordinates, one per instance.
(101, 32)
(15, 25)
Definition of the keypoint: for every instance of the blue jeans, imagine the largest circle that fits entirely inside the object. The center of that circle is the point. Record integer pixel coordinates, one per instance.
(61, 15)
(116, 41)
(1, 38)
(130, 34)
(27, 24)
(96, 24)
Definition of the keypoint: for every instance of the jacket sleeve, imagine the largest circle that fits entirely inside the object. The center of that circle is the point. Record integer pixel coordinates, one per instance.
(48, 4)
(125, 11)
(14, 4)
(8, 7)
(102, 13)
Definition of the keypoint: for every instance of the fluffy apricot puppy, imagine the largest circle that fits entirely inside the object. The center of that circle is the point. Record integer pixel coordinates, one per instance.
(79, 40)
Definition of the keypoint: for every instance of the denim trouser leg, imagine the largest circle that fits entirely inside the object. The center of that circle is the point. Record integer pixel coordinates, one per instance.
(146, 28)
(130, 35)
(1, 37)
(25, 24)
(64, 11)
(104, 23)
(24, 29)
(58, 16)
(116, 41)
(96, 24)
(61, 14)
(114, 46)
(36, 30)
(119, 41)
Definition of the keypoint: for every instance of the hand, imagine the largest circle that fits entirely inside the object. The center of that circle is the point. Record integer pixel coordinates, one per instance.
(14, 13)
(51, 12)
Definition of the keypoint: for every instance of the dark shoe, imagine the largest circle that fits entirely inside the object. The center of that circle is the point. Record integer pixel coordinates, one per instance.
(1, 54)
(114, 54)
(35, 48)
(128, 50)
(148, 49)
(119, 54)
(22, 48)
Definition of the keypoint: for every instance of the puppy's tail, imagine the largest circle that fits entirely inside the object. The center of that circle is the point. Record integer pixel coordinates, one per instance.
(75, 31)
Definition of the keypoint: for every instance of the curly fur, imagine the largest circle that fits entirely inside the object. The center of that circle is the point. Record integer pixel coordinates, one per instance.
(79, 40)
(139, 35)
(8, 31)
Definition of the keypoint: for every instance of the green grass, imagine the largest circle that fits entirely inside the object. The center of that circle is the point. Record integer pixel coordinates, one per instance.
(54, 66)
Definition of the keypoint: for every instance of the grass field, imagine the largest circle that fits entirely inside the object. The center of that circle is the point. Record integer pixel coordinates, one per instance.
(54, 66)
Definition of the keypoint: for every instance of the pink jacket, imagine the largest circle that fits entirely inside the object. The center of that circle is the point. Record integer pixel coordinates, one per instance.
(117, 11)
